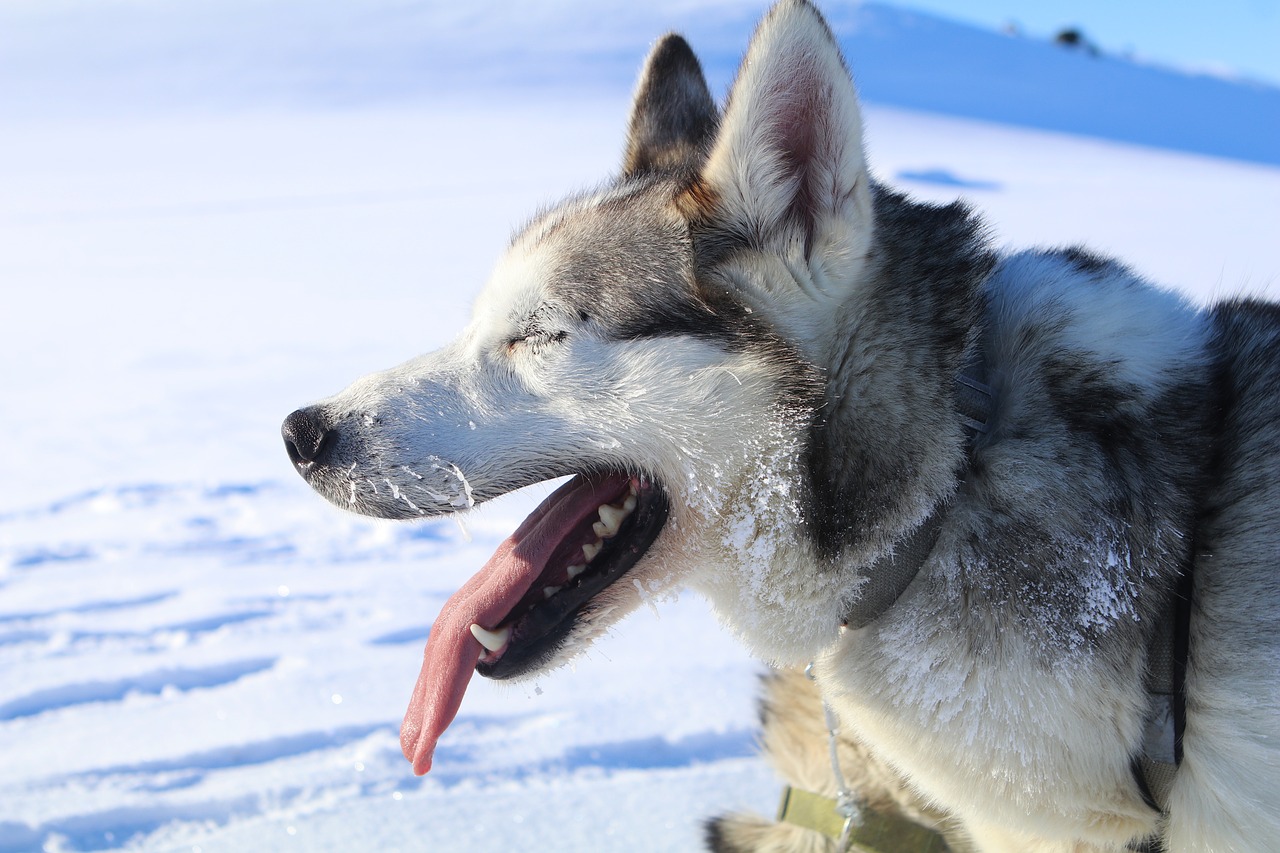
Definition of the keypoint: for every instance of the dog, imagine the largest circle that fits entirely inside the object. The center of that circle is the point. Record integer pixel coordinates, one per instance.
(974, 490)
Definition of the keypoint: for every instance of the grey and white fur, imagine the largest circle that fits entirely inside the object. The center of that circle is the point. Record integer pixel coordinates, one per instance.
(745, 322)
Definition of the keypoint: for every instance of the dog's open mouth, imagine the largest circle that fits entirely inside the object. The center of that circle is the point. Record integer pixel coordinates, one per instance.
(515, 612)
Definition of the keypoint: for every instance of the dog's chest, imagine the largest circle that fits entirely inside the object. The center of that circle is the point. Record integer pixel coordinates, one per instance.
(993, 734)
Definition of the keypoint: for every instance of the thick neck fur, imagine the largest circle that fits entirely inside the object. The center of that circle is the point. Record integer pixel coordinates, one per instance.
(881, 444)
(887, 444)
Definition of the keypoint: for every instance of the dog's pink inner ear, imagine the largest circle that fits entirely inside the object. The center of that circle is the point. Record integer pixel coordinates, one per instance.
(789, 152)
(799, 134)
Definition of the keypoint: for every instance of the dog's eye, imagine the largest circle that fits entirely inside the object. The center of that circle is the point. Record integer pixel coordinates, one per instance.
(537, 331)
(536, 339)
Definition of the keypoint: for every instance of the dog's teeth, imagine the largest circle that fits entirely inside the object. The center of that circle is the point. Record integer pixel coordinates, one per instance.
(574, 571)
(549, 591)
(630, 503)
(589, 551)
(611, 517)
(601, 529)
(491, 640)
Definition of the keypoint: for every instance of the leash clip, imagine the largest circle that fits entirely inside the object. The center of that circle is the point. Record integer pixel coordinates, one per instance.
(847, 806)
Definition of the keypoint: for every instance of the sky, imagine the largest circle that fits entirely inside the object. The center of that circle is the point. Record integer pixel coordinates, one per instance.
(1223, 36)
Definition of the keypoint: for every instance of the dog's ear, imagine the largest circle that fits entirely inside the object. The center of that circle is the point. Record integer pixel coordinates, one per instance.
(673, 118)
(787, 166)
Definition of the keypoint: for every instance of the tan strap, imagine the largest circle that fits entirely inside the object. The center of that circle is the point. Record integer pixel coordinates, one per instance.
(811, 811)
(874, 832)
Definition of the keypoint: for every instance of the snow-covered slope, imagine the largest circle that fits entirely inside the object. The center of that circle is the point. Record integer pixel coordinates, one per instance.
(215, 212)
(216, 54)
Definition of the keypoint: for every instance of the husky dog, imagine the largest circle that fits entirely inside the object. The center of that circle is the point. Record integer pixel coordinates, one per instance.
(750, 357)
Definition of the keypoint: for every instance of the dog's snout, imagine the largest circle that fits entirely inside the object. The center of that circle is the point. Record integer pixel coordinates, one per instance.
(305, 435)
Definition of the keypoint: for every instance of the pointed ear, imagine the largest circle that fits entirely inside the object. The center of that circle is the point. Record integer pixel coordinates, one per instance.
(787, 162)
(673, 117)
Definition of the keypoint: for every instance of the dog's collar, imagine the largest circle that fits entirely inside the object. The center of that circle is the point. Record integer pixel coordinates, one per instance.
(889, 577)
(1156, 765)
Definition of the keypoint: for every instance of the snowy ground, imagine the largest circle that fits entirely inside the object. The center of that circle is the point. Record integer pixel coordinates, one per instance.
(196, 652)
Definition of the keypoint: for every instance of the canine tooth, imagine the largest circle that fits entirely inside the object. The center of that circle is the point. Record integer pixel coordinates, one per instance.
(630, 503)
(589, 551)
(574, 571)
(549, 591)
(612, 517)
(491, 640)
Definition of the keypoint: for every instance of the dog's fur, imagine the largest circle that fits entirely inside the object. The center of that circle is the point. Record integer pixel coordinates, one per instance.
(795, 741)
(745, 318)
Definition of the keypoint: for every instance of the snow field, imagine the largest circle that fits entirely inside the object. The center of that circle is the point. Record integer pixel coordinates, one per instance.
(196, 652)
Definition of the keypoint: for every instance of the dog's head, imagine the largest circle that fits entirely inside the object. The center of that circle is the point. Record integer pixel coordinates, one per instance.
(655, 341)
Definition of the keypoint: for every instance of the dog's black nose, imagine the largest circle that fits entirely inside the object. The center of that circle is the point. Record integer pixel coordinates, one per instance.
(305, 435)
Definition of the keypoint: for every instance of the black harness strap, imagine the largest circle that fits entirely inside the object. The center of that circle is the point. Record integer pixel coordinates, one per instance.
(1155, 766)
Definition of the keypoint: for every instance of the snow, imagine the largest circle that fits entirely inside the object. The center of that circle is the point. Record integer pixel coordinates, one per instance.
(206, 224)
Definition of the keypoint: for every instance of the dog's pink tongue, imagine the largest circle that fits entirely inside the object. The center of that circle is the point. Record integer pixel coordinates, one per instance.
(452, 652)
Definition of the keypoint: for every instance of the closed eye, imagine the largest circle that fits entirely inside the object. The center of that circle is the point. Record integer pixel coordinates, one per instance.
(535, 333)
(536, 339)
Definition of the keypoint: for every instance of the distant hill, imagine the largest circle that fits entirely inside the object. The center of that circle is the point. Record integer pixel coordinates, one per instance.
(111, 55)
(914, 60)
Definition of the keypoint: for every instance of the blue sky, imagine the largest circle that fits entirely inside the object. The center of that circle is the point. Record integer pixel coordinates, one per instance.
(1231, 35)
